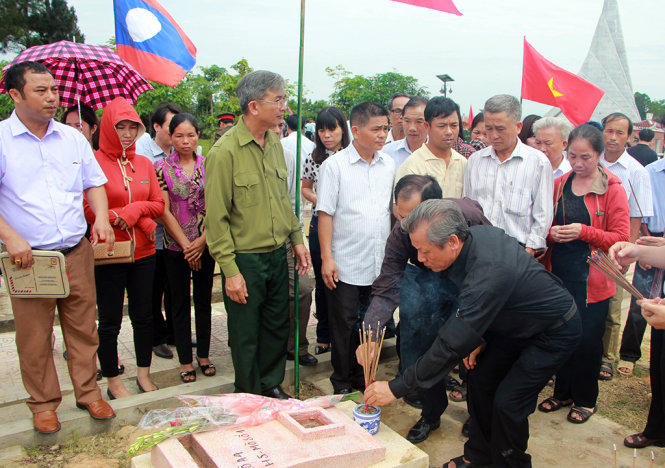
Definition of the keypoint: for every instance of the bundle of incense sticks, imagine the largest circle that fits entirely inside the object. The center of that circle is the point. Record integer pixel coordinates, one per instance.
(371, 363)
(602, 263)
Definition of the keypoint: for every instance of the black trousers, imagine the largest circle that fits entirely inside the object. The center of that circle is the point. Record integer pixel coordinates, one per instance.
(503, 391)
(346, 304)
(111, 282)
(162, 328)
(178, 272)
(578, 378)
(633, 332)
(322, 326)
(655, 428)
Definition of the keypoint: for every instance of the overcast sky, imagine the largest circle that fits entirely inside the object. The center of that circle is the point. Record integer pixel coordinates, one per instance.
(481, 50)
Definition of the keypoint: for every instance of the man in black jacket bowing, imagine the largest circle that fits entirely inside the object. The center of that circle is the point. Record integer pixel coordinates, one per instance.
(515, 326)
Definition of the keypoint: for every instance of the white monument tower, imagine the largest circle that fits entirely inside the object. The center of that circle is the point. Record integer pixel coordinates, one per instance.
(606, 66)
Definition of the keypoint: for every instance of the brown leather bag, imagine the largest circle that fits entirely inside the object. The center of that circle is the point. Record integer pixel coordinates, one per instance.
(123, 252)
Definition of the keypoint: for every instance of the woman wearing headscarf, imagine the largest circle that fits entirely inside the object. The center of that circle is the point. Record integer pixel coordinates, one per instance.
(134, 201)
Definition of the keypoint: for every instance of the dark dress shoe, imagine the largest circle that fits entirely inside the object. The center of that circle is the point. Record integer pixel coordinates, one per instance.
(465, 427)
(321, 349)
(412, 399)
(46, 422)
(99, 409)
(278, 393)
(420, 431)
(307, 360)
(162, 351)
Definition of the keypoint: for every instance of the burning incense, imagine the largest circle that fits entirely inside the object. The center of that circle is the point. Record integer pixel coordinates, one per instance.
(602, 263)
(653, 458)
(634, 457)
(614, 449)
(370, 362)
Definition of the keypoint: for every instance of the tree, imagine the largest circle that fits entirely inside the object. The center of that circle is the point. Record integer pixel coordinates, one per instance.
(646, 105)
(6, 104)
(350, 90)
(26, 23)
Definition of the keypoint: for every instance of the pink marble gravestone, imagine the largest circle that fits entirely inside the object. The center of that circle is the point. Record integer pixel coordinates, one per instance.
(309, 438)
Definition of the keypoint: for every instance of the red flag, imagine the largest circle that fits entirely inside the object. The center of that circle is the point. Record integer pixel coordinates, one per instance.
(470, 116)
(447, 6)
(544, 82)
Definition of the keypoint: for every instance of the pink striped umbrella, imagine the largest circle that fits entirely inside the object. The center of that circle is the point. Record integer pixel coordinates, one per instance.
(92, 74)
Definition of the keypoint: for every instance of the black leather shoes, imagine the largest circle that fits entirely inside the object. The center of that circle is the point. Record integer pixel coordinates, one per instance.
(304, 359)
(321, 349)
(465, 427)
(162, 351)
(421, 430)
(278, 393)
(413, 400)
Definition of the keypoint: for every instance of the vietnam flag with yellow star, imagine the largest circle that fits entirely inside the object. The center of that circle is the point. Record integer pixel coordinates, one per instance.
(544, 82)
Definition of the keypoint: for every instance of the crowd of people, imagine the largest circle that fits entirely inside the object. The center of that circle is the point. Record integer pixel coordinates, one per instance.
(482, 246)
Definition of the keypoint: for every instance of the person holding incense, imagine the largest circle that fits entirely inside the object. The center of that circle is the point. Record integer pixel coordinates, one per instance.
(649, 251)
(513, 339)
(425, 298)
(590, 213)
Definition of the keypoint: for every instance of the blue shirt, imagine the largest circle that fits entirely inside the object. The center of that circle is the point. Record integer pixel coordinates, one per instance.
(656, 172)
(42, 182)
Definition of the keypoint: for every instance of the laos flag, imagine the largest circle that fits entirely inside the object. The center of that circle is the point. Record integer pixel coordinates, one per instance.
(149, 39)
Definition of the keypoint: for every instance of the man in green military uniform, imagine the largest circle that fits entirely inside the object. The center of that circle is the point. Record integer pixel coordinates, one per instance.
(225, 124)
(249, 218)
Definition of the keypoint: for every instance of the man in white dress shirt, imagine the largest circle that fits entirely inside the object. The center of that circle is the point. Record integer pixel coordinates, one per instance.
(511, 181)
(617, 128)
(551, 135)
(354, 194)
(290, 142)
(395, 108)
(415, 128)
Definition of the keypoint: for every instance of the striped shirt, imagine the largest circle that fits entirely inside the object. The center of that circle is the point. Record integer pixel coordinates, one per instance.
(398, 150)
(449, 176)
(357, 196)
(516, 194)
(635, 180)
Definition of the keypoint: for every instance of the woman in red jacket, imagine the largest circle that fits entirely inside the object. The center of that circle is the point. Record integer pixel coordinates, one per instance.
(134, 200)
(590, 213)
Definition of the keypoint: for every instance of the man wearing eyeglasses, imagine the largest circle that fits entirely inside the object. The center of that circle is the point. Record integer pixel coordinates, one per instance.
(396, 105)
(248, 221)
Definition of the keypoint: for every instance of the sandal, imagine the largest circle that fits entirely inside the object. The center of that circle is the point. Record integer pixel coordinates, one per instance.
(460, 463)
(461, 389)
(607, 368)
(583, 413)
(554, 404)
(639, 441)
(625, 368)
(184, 376)
(207, 367)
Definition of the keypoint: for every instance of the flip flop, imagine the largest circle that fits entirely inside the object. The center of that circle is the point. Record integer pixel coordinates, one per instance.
(460, 463)
(185, 374)
(584, 413)
(639, 441)
(625, 368)
(461, 389)
(554, 404)
(207, 367)
(608, 369)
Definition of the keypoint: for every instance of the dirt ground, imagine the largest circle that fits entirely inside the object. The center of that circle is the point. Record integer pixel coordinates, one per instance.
(624, 400)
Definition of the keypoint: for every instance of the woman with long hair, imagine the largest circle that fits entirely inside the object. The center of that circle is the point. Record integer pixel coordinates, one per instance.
(590, 214)
(134, 201)
(331, 135)
(181, 176)
(88, 124)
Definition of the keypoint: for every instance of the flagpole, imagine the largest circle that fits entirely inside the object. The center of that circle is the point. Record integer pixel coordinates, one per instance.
(296, 299)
